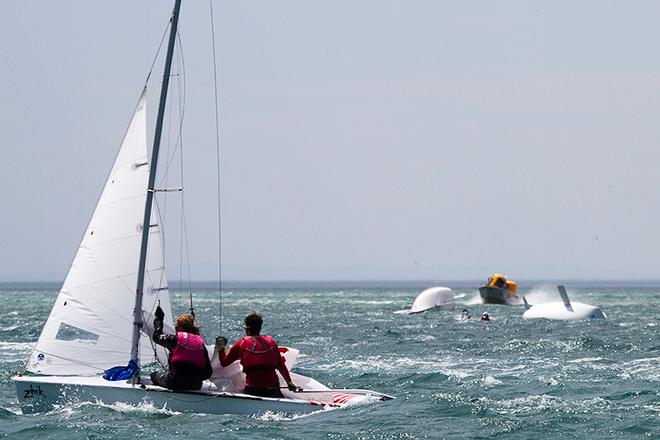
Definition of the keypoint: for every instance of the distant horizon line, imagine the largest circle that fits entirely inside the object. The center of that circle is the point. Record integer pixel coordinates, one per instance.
(414, 282)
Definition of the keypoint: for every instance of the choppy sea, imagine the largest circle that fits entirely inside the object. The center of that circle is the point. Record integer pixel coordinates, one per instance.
(510, 378)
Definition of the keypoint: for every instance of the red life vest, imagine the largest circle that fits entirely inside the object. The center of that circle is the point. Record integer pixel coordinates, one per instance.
(190, 349)
(259, 352)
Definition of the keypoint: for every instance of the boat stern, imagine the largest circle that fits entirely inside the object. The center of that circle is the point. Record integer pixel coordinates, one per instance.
(494, 295)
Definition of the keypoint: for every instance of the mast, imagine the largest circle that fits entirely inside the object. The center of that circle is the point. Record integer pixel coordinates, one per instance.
(146, 224)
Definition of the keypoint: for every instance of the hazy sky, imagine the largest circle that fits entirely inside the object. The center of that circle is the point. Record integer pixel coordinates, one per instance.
(368, 139)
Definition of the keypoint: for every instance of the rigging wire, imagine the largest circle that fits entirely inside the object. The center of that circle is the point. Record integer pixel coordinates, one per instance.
(184, 252)
(165, 178)
(182, 105)
(181, 207)
(162, 40)
(181, 85)
(171, 154)
(217, 150)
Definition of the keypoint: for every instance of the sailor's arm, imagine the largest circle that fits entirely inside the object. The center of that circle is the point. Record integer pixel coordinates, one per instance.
(208, 369)
(228, 358)
(167, 341)
(284, 371)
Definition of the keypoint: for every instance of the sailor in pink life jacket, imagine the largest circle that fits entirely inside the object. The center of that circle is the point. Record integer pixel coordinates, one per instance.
(260, 357)
(189, 363)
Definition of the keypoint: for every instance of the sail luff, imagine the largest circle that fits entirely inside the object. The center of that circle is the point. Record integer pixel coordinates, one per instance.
(146, 224)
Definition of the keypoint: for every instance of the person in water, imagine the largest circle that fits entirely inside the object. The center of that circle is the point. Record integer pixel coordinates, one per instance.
(189, 363)
(485, 317)
(260, 357)
(465, 314)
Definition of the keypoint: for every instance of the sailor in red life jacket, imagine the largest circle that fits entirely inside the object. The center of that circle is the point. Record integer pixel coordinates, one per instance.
(260, 357)
(189, 363)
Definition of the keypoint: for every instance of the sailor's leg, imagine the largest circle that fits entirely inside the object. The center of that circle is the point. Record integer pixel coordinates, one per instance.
(162, 379)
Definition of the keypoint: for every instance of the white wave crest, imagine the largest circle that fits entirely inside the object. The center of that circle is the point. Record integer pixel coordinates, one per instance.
(145, 407)
(271, 416)
(15, 350)
(545, 402)
(372, 302)
(476, 299)
(454, 368)
(645, 368)
(491, 381)
(25, 346)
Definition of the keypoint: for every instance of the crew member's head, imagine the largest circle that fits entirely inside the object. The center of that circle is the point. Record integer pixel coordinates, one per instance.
(252, 324)
(186, 323)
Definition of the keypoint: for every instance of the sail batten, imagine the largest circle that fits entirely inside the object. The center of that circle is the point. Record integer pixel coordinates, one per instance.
(89, 328)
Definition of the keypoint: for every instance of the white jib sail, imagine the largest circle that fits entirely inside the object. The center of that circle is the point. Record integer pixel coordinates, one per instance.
(89, 328)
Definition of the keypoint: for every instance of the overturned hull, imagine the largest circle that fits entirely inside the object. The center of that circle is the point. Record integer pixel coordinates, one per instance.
(496, 295)
(563, 311)
(558, 311)
(433, 298)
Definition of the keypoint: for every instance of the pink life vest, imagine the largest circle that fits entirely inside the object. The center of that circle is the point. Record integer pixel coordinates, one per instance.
(190, 349)
(259, 352)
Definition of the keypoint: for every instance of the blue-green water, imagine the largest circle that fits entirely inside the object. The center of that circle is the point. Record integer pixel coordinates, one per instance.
(511, 378)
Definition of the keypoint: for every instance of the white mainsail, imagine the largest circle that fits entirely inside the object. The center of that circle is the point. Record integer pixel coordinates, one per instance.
(89, 328)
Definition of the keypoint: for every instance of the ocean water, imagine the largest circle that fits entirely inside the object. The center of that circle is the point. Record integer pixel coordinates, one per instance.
(510, 378)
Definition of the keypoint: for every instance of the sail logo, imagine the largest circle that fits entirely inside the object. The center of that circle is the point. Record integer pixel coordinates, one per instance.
(33, 392)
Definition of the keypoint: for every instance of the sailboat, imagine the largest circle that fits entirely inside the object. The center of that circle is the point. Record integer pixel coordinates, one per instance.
(103, 314)
(566, 310)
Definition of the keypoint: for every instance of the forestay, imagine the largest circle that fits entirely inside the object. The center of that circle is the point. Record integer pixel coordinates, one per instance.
(89, 328)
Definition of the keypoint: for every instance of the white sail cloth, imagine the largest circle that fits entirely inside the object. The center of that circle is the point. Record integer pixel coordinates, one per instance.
(231, 377)
(90, 326)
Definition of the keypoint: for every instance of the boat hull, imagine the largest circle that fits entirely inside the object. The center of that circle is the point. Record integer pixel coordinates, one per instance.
(558, 311)
(44, 393)
(495, 295)
(434, 298)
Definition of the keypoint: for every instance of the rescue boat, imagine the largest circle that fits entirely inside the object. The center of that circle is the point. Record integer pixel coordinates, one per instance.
(499, 290)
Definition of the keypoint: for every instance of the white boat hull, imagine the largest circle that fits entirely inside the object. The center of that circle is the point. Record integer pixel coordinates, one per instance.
(433, 298)
(44, 393)
(558, 311)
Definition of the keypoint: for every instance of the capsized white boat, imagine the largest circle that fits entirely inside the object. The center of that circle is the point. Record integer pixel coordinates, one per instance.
(102, 316)
(565, 310)
(438, 298)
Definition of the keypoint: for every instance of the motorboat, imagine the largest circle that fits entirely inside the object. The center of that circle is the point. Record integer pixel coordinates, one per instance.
(499, 290)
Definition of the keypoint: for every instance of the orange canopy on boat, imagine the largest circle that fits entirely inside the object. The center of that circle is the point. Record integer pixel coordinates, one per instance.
(501, 282)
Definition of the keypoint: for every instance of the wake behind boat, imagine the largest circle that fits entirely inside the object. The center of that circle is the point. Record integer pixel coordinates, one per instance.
(499, 290)
(103, 314)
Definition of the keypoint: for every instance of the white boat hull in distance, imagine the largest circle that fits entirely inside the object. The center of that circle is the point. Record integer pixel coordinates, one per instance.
(44, 393)
(558, 311)
(441, 298)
